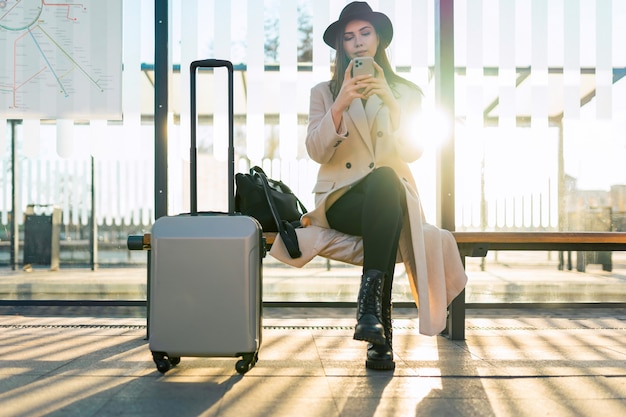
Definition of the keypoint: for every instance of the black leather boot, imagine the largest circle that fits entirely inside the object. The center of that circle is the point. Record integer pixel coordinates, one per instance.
(380, 357)
(369, 326)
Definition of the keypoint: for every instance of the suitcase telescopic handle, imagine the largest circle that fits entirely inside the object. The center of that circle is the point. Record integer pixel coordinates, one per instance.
(193, 67)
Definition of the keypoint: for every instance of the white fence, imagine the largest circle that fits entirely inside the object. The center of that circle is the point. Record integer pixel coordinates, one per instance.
(124, 189)
(124, 192)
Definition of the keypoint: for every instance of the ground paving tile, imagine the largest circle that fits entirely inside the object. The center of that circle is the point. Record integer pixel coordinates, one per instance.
(85, 360)
(533, 362)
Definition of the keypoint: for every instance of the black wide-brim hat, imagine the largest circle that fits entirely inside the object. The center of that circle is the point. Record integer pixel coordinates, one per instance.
(360, 10)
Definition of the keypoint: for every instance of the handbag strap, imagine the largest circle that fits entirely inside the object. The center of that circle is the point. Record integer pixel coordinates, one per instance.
(286, 229)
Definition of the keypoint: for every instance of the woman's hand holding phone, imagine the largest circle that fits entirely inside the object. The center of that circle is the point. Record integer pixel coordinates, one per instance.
(359, 82)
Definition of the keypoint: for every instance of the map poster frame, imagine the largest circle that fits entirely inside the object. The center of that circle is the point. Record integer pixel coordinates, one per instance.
(61, 60)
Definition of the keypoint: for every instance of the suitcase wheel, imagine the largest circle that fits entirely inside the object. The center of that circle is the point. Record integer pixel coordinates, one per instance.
(164, 362)
(246, 363)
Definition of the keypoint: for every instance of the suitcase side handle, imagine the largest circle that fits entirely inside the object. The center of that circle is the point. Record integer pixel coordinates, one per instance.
(193, 67)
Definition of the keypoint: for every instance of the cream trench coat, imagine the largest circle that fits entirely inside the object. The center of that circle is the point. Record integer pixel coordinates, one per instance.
(365, 142)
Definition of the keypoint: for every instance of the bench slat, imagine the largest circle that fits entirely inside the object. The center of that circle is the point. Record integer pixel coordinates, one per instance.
(533, 240)
(540, 237)
(613, 239)
(270, 237)
(547, 237)
(478, 243)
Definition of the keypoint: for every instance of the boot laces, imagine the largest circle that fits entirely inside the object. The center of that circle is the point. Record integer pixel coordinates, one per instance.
(371, 294)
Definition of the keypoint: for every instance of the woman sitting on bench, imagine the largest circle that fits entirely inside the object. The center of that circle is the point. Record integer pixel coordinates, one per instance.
(367, 209)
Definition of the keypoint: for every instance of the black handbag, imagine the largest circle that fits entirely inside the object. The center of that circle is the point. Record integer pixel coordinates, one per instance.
(272, 203)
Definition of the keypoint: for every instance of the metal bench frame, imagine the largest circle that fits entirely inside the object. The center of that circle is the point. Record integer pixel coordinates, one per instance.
(477, 244)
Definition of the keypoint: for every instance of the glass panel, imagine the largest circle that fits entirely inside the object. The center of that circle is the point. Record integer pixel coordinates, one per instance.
(545, 159)
(540, 93)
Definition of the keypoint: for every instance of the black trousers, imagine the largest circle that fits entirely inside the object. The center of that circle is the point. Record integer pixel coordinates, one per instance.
(373, 209)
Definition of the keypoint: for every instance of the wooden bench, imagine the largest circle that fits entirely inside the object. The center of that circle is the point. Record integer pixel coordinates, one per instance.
(477, 244)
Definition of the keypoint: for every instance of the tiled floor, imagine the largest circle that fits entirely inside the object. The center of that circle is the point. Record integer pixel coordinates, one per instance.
(513, 363)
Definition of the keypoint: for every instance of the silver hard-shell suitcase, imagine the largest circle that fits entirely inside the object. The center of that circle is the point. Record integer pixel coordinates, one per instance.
(205, 274)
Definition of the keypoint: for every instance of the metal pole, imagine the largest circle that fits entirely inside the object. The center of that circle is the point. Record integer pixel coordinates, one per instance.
(15, 233)
(93, 238)
(161, 82)
(444, 96)
(563, 222)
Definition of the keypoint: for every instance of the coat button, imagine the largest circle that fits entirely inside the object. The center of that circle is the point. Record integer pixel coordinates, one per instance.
(371, 165)
(379, 134)
(348, 165)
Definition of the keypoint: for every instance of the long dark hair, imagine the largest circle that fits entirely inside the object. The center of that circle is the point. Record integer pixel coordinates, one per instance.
(342, 61)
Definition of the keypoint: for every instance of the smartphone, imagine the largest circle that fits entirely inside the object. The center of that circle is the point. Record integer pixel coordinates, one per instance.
(363, 65)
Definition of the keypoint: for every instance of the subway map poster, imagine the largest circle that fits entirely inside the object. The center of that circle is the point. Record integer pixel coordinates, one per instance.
(61, 59)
